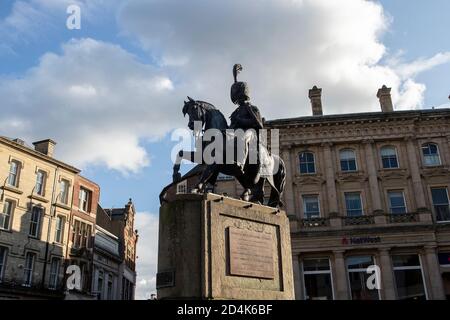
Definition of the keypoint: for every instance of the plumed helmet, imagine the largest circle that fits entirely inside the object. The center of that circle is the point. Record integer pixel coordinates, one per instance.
(239, 89)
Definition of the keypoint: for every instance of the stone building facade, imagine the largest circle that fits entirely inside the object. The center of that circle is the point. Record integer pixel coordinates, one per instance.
(367, 193)
(34, 219)
(48, 221)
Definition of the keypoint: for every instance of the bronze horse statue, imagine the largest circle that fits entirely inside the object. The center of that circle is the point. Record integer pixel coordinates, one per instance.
(250, 179)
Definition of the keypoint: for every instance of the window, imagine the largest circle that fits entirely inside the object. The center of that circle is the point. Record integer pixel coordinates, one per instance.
(3, 253)
(59, 230)
(54, 273)
(6, 214)
(182, 187)
(353, 204)
(307, 164)
(440, 204)
(40, 183)
(81, 234)
(348, 160)
(85, 200)
(28, 269)
(14, 171)
(357, 277)
(408, 277)
(100, 284)
(311, 207)
(109, 292)
(35, 222)
(444, 259)
(431, 154)
(64, 191)
(396, 202)
(317, 279)
(389, 157)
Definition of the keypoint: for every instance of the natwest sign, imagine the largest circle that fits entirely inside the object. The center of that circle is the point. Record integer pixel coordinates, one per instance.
(360, 240)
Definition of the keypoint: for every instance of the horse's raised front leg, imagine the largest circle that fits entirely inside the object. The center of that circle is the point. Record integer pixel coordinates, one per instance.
(186, 155)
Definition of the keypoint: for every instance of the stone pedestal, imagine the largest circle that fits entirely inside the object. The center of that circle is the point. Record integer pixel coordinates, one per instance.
(213, 247)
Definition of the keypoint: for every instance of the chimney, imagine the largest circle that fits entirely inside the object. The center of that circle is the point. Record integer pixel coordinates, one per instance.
(46, 147)
(315, 95)
(384, 94)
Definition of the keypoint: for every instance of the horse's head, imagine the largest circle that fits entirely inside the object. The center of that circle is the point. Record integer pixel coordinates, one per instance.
(195, 112)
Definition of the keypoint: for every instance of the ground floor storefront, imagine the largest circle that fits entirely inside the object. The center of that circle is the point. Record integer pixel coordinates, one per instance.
(372, 265)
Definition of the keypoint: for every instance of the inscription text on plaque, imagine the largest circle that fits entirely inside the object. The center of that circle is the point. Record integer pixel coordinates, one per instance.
(251, 253)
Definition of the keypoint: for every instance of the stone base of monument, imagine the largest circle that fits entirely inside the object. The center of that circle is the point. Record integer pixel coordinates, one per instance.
(213, 247)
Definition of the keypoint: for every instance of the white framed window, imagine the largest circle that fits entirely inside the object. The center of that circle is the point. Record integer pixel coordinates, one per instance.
(14, 173)
(358, 276)
(397, 203)
(81, 234)
(348, 160)
(307, 162)
(35, 221)
(409, 277)
(85, 200)
(3, 254)
(389, 157)
(41, 177)
(59, 229)
(441, 207)
(6, 215)
(430, 153)
(317, 279)
(182, 187)
(64, 191)
(28, 269)
(353, 204)
(311, 206)
(54, 273)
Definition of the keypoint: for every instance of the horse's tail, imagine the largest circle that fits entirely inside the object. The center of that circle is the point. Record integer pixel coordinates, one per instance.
(279, 180)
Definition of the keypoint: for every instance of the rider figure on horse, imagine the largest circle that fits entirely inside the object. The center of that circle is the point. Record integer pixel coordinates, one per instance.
(245, 117)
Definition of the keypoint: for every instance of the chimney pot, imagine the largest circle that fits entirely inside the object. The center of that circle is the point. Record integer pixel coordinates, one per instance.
(384, 95)
(46, 147)
(315, 95)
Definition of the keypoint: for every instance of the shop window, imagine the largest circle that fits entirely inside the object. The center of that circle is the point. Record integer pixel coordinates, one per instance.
(317, 279)
(408, 277)
(358, 276)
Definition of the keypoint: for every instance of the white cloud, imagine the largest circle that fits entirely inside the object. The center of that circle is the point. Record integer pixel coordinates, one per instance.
(102, 102)
(286, 47)
(147, 252)
(97, 100)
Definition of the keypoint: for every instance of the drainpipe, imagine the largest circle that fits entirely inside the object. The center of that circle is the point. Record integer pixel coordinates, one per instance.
(53, 206)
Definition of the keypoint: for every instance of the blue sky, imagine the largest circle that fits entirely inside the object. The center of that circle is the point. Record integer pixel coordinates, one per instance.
(111, 93)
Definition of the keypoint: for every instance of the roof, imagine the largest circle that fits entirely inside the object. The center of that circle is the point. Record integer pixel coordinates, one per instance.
(30, 150)
(366, 116)
(103, 219)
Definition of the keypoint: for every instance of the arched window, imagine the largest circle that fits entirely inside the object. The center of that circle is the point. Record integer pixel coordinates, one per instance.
(307, 164)
(430, 153)
(348, 160)
(389, 157)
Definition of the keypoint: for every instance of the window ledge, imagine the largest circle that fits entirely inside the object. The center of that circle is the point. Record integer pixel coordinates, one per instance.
(6, 230)
(12, 189)
(39, 198)
(62, 205)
